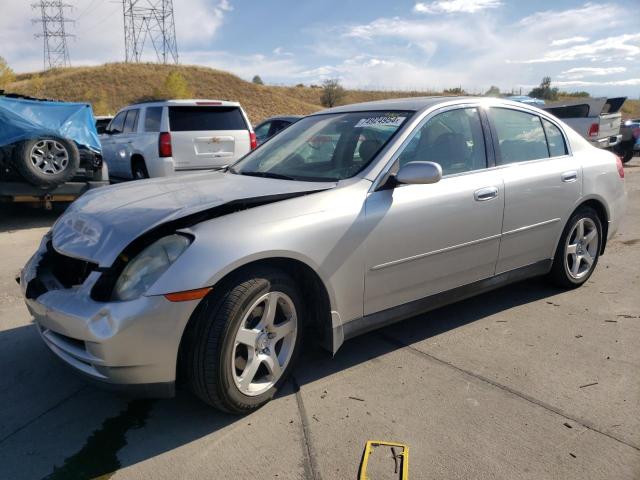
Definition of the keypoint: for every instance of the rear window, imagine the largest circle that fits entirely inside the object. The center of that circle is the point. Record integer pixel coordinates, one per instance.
(193, 119)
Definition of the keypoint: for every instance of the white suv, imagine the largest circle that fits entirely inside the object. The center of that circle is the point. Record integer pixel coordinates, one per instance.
(160, 138)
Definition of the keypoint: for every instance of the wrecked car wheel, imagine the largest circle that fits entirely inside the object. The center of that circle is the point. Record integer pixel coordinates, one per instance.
(47, 161)
(243, 341)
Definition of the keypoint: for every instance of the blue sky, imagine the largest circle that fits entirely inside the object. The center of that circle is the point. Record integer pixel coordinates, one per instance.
(375, 44)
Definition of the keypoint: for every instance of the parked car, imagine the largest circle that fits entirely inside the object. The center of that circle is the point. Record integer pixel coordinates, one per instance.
(102, 123)
(160, 138)
(418, 203)
(629, 145)
(596, 119)
(49, 150)
(271, 126)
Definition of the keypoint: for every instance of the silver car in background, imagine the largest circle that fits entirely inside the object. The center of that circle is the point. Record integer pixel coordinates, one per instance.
(348, 220)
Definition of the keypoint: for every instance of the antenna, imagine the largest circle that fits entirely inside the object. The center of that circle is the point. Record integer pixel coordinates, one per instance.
(56, 52)
(149, 20)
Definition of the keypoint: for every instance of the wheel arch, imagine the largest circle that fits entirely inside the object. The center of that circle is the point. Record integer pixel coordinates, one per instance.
(318, 306)
(603, 214)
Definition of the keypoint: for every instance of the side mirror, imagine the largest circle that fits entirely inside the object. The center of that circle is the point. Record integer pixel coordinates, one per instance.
(419, 173)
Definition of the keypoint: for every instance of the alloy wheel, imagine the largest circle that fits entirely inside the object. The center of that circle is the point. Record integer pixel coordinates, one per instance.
(581, 248)
(264, 343)
(49, 156)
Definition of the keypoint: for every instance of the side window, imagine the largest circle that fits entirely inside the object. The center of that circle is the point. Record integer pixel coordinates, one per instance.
(454, 139)
(520, 136)
(131, 122)
(117, 124)
(152, 119)
(555, 140)
(276, 126)
(262, 132)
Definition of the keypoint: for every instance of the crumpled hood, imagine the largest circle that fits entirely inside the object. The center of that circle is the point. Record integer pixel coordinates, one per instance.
(100, 224)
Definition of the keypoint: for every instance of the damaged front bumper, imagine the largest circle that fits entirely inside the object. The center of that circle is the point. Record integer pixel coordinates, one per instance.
(131, 345)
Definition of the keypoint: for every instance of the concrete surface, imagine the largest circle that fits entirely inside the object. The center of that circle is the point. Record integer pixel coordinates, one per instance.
(524, 382)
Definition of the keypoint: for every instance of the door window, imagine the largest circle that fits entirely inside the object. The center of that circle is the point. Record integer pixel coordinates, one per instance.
(152, 119)
(555, 140)
(453, 139)
(262, 132)
(131, 122)
(520, 136)
(117, 124)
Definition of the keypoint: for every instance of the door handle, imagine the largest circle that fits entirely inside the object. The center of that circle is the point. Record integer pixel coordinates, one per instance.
(485, 194)
(568, 177)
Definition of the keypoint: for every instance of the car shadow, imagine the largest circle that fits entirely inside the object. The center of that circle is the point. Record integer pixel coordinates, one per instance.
(22, 216)
(159, 426)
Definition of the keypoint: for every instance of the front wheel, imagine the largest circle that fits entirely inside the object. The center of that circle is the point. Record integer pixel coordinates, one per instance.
(578, 250)
(242, 342)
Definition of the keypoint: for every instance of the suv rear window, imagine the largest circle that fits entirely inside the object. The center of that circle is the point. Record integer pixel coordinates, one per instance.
(193, 119)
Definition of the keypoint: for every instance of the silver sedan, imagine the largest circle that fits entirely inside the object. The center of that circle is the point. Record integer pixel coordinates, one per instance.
(350, 219)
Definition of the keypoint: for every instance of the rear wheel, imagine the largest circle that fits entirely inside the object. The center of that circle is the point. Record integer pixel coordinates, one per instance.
(242, 342)
(139, 170)
(578, 250)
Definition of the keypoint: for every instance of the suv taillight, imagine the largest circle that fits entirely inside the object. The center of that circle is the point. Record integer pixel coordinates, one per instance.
(164, 144)
(594, 129)
(620, 166)
(253, 141)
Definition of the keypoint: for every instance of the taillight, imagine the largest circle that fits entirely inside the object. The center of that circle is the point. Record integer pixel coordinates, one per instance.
(253, 141)
(620, 167)
(594, 129)
(164, 144)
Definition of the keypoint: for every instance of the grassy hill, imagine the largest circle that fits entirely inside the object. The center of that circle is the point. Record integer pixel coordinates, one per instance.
(112, 86)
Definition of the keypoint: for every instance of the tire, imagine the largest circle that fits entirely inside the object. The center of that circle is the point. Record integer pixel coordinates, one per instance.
(139, 169)
(47, 161)
(571, 270)
(627, 156)
(215, 355)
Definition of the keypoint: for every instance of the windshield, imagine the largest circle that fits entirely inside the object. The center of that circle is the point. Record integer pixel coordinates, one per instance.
(321, 148)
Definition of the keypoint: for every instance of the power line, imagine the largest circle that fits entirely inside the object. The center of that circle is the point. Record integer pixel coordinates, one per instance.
(149, 20)
(54, 34)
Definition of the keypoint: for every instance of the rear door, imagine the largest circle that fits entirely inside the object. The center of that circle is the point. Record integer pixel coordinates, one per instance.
(207, 136)
(542, 183)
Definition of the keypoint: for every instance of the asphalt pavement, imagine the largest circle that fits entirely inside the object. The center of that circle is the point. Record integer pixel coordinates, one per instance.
(527, 381)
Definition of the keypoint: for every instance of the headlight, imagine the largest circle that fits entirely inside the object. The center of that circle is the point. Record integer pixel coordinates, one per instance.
(148, 266)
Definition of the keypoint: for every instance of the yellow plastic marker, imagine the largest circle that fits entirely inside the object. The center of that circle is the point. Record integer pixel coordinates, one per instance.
(401, 458)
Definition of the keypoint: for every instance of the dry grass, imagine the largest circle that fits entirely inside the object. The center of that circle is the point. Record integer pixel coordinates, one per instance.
(112, 86)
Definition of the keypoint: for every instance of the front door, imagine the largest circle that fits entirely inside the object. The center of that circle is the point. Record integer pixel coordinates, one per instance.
(427, 239)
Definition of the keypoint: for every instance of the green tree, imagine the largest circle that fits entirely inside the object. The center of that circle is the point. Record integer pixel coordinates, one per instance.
(493, 92)
(454, 91)
(6, 74)
(175, 86)
(545, 91)
(257, 80)
(332, 93)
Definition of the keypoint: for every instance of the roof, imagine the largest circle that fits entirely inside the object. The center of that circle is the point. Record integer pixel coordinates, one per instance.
(288, 118)
(189, 101)
(411, 104)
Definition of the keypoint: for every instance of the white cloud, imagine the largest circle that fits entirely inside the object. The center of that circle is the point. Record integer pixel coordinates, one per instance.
(455, 6)
(605, 49)
(582, 72)
(629, 82)
(566, 41)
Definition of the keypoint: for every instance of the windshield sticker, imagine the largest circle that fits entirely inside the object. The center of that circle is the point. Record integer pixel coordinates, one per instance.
(385, 121)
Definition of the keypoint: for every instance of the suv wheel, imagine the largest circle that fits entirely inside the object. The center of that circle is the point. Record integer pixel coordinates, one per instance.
(139, 170)
(242, 342)
(47, 161)
(578, 250)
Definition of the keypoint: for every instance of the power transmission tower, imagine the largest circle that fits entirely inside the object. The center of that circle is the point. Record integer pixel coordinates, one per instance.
(56, 51)
(149, 20)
